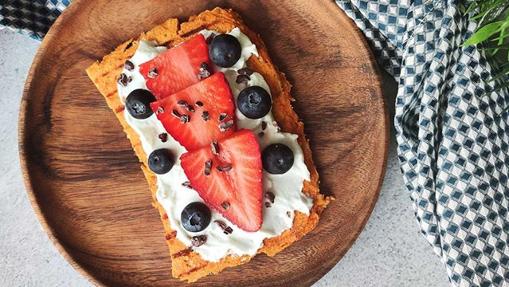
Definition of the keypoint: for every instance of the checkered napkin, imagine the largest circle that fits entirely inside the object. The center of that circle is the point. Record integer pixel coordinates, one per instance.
(31, 17)
(452, 130)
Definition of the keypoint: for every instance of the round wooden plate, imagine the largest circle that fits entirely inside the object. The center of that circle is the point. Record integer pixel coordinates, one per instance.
(84, 180)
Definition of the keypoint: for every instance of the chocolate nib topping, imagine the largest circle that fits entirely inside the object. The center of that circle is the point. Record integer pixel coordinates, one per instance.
(208, 167)
(185, 105)
(270, 196)
(245, 71)
(185, 118)
(204, 71)
(222, 116)
(198, 240)
(225, 126)
(160, 110)
(242, 79)
(205, 115)
(124, 79)
(128, 65)
(226, 229)
(176, 114)
(214, 147)
(225, 167)
(225, 205)
(163, 137)
(153, 73)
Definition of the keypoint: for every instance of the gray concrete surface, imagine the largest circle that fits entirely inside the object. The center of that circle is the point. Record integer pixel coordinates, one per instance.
(389, 252)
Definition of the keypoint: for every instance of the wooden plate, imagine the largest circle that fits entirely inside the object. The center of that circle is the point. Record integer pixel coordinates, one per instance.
(86, 185)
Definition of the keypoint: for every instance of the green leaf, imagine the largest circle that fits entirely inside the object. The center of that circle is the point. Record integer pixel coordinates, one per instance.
(501, 87)
(502, 36)
(471, 7)
(484, 33)
(502, 74)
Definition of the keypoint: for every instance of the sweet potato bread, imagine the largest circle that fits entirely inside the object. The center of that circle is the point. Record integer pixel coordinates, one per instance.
(187, 264)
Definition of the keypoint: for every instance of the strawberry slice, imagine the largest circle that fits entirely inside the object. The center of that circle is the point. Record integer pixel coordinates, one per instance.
(228, 177)
(198, 114)
(177, 68)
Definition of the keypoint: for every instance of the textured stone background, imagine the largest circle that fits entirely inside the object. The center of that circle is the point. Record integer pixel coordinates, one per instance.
(389, 252)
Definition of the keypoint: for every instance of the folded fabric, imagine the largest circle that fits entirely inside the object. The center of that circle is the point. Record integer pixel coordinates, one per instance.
(452, 132)
(30, 17)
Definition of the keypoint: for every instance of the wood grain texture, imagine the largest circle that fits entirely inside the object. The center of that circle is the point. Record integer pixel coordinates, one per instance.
(86, 185)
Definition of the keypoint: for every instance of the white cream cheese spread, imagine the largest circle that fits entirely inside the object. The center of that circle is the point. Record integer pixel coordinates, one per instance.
(174, 196)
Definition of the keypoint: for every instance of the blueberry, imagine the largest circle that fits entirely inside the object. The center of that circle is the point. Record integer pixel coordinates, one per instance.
(225, 50)
(195, 217)
(138, 103)
(254, 102)
(277, 158)
(160, 161)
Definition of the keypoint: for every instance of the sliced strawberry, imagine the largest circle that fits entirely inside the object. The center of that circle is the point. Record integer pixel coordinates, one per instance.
(228, 177)
(200, 113)
(177, 68)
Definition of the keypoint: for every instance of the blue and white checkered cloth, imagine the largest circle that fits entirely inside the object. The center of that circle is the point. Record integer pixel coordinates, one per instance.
(31, 17)
(452, 132)
(452, 127)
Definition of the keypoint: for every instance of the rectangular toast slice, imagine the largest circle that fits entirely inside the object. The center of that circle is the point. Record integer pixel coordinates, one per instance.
(187, 264)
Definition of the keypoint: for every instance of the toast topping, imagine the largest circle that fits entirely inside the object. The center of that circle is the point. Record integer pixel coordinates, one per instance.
(214, 166)
(225, 50)
(194, 132)
(226, 229)
(195, 217)
(177, 68)
(234, 187)
(128, 65)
